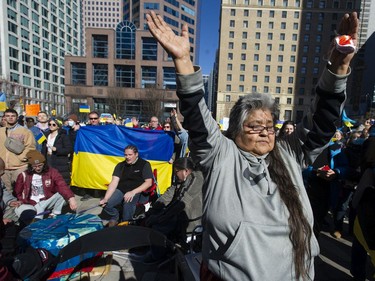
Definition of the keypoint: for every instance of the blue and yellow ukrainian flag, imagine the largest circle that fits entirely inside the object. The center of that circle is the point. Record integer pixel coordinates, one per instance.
(84, 108)
(98, 149)
(128, 122)
(40, 138)
(346, 120)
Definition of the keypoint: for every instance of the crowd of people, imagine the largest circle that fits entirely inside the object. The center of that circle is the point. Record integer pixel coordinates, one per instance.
(261, 194)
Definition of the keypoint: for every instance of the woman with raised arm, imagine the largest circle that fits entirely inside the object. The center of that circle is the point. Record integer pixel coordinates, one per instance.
(256, 215)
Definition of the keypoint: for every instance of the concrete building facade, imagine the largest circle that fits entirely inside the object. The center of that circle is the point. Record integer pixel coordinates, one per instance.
(124, 69)
(277, 47)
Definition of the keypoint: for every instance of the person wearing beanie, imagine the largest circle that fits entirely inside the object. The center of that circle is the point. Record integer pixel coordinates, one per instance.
(58, 148)
(42, 188)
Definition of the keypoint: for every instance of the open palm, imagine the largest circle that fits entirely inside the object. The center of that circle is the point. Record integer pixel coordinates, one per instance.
(177, 46)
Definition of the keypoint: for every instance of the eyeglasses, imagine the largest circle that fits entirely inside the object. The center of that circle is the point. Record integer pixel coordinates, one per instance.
(38, 165)
(52, 124)
(93, 118)
(154, 120)
(256, 129)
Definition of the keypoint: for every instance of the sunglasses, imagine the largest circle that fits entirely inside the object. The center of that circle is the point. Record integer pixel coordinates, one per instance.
(93, 118)
(166, 127)
(52, 124)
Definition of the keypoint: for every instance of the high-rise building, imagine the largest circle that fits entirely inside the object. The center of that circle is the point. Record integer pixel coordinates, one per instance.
(34, 38)
(275, 46)
(125, 71)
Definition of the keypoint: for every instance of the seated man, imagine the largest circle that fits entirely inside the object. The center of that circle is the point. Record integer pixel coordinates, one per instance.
(179, 210)
(129, 179)
(42, 188)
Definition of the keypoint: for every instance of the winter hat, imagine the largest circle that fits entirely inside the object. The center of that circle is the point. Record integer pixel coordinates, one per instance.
(34, 157)
(73, 117)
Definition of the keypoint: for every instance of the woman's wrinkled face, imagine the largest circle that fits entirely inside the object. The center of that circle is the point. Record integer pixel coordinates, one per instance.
(258, 133)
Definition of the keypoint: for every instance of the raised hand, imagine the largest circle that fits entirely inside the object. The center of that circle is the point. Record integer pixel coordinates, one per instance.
(349, 25)
(177, 46)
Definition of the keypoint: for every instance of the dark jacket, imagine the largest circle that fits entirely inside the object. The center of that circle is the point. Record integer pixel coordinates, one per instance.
(183, 201)
(52, 183)
(60, 159)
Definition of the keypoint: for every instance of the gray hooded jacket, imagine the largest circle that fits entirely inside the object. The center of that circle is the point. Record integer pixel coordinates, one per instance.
(246, 223)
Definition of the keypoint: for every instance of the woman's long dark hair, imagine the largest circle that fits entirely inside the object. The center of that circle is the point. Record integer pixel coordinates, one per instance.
(300, 229)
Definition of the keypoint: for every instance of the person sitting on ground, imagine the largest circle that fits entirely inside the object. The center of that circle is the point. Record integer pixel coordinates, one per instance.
(8, 202)
(129, 179)
(42, 188)
(178, 210)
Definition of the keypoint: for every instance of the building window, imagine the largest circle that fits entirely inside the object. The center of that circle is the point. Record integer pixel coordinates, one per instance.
(266, 79)
(267, 68)
(148, 77)
(78, 73)
(100, 74)
(243, 56)
(272, 14)
(268, 57)
(149, 49)
(125, 76)
(241, 88)
(284, 14)
(246, 13)
(244, 46)
(244, 35)
(256, 57)
(279, 68)
(169, 78)
(232, 12)
(258, 24)
(245, 24)
(229, 77)
(229, 66)
(231, 34)
(281, 47)
(229, 89)
(255, 78)
(232, 23)
(253, 89)
(266, 89)
(230, 45)
(242, 67)
(277, 90)
(283, 25)
(322, 4)
(289, 101)
(227, 97)
(270, 36)
(319, 28)
(270, 25)
(230, 56)
(125, 40)
(278, 79)
(100, 46)
(257, 46)
(282, 36)
(259, 13)
(257, 35)
(291, 69)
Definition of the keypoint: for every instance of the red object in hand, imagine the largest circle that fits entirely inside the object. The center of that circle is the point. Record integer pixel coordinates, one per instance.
(326, 168)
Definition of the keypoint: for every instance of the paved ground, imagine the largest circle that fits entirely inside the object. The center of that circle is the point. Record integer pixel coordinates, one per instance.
(332, 265)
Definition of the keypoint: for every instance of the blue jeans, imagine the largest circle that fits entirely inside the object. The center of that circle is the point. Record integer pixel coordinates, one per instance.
(128, 208)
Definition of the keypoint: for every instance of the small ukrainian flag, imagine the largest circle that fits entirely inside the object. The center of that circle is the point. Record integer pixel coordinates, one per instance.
(40, 138)
(84, 108)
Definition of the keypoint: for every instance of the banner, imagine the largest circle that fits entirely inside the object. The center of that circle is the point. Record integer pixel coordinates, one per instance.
(98, 149)
(32, 109)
